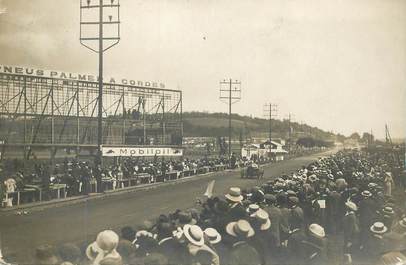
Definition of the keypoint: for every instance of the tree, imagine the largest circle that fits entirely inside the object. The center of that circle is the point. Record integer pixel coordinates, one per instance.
(367, 138)
(355, 136)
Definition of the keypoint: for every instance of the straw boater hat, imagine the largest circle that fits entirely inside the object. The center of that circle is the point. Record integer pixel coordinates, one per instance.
(252, 209)
(194, 234)
(388, 210)
(372, 185)
(317, 230)
(143, 234)
(352, 206)
(234, 194)
(378, 228)
(366, 193)
(241, 228)
(213, 236)
(262, 217)
(403, 222)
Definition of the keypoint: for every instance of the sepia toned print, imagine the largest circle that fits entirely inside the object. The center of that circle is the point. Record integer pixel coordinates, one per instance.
(202, 132)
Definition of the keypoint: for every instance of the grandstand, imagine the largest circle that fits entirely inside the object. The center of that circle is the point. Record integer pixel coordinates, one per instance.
(54, 113)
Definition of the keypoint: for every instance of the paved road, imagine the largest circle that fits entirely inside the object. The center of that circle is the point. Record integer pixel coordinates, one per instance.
(82, 221)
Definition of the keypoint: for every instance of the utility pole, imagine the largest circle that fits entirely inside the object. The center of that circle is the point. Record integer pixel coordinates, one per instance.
(92, 19)
(231, 92)
(290, 131)
(269, 113)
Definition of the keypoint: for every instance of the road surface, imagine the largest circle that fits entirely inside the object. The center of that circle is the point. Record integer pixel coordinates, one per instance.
(80, 222)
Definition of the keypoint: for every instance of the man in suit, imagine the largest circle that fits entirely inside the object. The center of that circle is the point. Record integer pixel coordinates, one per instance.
(350, 227)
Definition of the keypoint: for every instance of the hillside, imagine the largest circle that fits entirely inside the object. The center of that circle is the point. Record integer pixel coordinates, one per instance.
(216, 124)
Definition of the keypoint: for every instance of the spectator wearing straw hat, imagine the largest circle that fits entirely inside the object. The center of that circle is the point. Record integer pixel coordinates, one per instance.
(261, 223)
(234, 199)
(241, 251)
(350, 227)
(388, 216)
(315, 245)
(375, 244)
(367, 213)
(214, 240)
(200, 252)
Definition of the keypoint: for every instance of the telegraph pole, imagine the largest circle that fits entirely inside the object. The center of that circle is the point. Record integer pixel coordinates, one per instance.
(290, 131)
(95, 43)
(270, 112)
(232, 94)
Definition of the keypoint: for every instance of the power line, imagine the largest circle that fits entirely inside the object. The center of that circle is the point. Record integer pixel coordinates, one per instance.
(231, 92)
(290, 131)
(270, 113)
(88, 38)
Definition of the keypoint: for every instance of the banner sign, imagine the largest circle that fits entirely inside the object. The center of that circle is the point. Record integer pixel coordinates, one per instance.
(78, 77)
(141, 151)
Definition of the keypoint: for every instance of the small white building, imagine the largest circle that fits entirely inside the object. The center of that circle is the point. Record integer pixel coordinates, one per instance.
(273, 149)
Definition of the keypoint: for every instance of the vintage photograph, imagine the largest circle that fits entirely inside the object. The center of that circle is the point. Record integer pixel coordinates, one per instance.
(202, 132)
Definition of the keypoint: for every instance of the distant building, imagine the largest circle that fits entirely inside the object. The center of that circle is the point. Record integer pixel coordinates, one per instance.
(269, 148)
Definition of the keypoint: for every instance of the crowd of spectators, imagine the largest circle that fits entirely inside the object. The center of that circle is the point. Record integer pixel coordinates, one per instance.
(83, 177)
(349, 198)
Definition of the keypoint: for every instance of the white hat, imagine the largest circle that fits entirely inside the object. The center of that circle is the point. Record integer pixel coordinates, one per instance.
(366, 193)
(378, 228)
(262, 217)
(213, 235)
(234, 194)
(317, 230)
(403, 222)
(194, 234)
(352, 206)
(252, 208)
(106, 242)
(241, 228)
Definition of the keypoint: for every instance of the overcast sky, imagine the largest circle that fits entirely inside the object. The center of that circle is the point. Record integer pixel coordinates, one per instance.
(336, 64)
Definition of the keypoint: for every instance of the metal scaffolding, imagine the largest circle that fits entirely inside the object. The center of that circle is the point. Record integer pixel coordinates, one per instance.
(45, 112)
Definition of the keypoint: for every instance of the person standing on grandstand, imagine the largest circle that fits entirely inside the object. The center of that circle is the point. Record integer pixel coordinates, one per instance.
(45, 182)
(98, 175)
